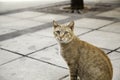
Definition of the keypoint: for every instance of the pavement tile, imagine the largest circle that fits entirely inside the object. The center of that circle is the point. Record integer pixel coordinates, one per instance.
(115, 59)
(29, 69)
(27, 43)
(102, 39)
(25, 14)
(5, 30)
(51, 55)
(49, 17)
(7, 19)
(21, 24)
(112, 13)
(112, 28)
(6, 56)
(116, 73)
(49, 31)
(91, 23)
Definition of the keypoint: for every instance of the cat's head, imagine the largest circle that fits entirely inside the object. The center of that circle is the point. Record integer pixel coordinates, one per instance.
(63, 33)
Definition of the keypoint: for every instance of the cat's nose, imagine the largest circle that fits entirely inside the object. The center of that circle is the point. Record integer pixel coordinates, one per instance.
(61, 38)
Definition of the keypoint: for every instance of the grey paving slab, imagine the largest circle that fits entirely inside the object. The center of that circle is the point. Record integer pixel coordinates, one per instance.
(49, 31)
(51, 55)
(112, 28)
(5, 30)
(7, 19)
(21, 24)
(29, 69)
(25, 14)
(6, 56)
(49, 17)
(102, 39)
(116, 73)
(112, 13)
(115, 59)
(91, 23)
(27, 43)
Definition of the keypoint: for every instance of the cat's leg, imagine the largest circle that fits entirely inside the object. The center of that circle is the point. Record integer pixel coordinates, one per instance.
(73, 72)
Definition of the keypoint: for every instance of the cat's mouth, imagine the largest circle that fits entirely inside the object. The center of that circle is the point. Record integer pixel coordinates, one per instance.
(64, 41)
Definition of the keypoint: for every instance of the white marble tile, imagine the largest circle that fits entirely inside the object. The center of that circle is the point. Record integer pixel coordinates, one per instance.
(102, 39)
(91, 23)
(26, 14)
(6, 19)
(112, 13)
(6, 56)
(20, 25)
(49, 17)
(27, 43)
(49, 31)
(51, 55)
(29, 69)
(5, 30)
(112, 28)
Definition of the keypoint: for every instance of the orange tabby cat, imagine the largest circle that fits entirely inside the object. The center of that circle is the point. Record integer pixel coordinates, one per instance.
(84, 60)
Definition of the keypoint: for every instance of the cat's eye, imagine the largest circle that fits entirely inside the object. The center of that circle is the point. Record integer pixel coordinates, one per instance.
(58, 32)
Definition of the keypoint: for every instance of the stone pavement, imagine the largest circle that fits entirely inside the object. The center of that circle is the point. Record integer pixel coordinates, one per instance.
(28, 50)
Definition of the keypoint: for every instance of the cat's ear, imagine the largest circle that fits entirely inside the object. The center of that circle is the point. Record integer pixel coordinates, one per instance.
(71, 25)
(55, 24)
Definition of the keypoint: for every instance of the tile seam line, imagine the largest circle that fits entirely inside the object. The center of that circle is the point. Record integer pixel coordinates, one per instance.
(41, 49)
(46, 62)
(63, 77)
(12, 51)
(31, 58)
(10, 61)
(106, 25)
(109, 31)
(113, 50)
(24, 55)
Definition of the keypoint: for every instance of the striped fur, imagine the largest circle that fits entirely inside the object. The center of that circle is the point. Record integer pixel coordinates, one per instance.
(84, 60)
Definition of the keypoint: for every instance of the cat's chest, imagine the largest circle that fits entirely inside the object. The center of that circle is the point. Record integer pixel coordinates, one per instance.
(69, 53)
